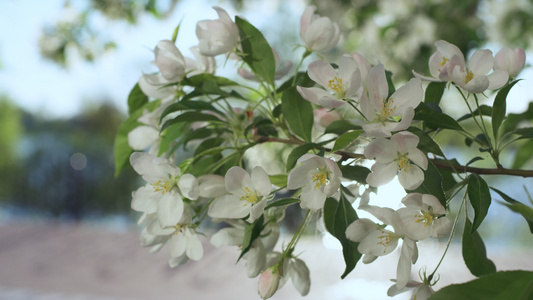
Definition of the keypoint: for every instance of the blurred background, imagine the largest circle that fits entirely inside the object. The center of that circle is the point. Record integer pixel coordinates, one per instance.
(66, 68)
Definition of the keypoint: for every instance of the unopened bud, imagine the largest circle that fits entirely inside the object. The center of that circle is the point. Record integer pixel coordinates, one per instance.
(268, 282)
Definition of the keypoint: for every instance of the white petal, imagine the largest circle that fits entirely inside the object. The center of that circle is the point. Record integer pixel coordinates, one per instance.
(177, 245)
(236, 178)
(194, 251)
(299, 274)
(188, 185)
(418, 157)
(257, 210)
(408, 95)
(382, 150)
(321, 72)
(145, 199)
(230, 207)
(378, 243)
(497, 79)
(411, 178)
(404, 264)
(227, 237)
(142, 137)
(312, 198)
(378, 88)
(481, 62)
(382, 174)
(211, 186)
(405, 141)
(261, 181)
(359, 229)
(170, 209)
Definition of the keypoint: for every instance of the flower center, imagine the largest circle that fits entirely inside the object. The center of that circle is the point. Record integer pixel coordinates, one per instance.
(163, 186)
(249, 196)
(385, 238)
(403, 162)
(387, 109)
(320, 178)
(444, 61)
(469, 76)
(425, 217)
(336, 85)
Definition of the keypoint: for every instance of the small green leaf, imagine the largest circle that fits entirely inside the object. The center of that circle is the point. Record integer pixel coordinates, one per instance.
(434, 119)
(341, 126)
(426, 143)
(209, 144)
(298, 113)
(390, 83)
(282, 202)
(297, 152)
(346, 139)
(279, 180)
(198, 80)
(136, 99)
(357, 173)
(302, 79)
(337, 217)
(516, 285)
(251, 233)
(499, 107)
(190, 116)
(434, 92)
(474, 252)
(432, 184)
(525, 133)
(519, 207)
(473, 160)
(479, 196)
(169, 135)
(257, 53)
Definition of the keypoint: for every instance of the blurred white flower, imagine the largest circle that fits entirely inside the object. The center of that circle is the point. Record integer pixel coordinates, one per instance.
(318, 33)
(217, 36)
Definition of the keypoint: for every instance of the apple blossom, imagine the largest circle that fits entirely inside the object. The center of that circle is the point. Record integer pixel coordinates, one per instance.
(423, 217)
(420, 290)
(473, 77)
(397, 155)
(169, 61)
(379, 109)
(509, 60)
(217, 36)
(201, 64)
(318, 33)
(268, 282)
(292, 268)
(319, 177)
(442, 62)
(146, 136)
(344, 83)
(248, 195)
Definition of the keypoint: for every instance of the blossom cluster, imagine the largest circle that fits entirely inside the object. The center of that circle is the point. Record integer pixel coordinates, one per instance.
(189, 109)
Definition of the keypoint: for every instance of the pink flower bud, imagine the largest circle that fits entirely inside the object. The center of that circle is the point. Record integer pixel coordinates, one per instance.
(268, 282)
(510, 60)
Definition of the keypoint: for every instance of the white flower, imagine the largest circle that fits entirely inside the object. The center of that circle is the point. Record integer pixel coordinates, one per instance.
(318, 33)
(421, 290)
(397, 155)
(423, 217)
(184, 240)
(473, 77)
(217, 36)
(319, 178)
(294, 269)
(509, 60)
(344, 83)
(170, 61)
(211, 186)
(380, 110)
(248, 195)
(147, 136)
(374, 240)
(202, 64)
(442, 62)
(161, 194)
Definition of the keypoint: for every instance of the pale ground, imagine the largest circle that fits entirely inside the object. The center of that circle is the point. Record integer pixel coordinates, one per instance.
(44, 261)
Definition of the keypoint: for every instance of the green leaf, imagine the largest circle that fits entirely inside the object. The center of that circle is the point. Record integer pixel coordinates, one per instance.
(390, 83)
(485, 111)
(198, 80)
(336, 223)
(209, 144)
(479, 195)
(432, 184)
(499, 107)
(298, 152)
(357, 173)
(426, 143)
(190, 116)
(516, 285)
(136, 99)
(122, 149)
(279, 180)
(282, 202)
(513, 120)
(519, 207)
(525, 133)
(523, 154)
(346, 139)
(434, 119)
(302, 79)
(188, 105)
(474, 252)
(257, 52)
(298, 112)
(434, 92)
(341, 126)
(169, 135)
(251, 233)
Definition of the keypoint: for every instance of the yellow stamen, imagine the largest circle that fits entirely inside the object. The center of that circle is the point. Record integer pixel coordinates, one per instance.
(387, 109)
(163, 186)
(469, 76)
(444, 61)
(249, 196)
(425, 217)
(385, 239)
(336, 85)
(403, 162)
(320, 178)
